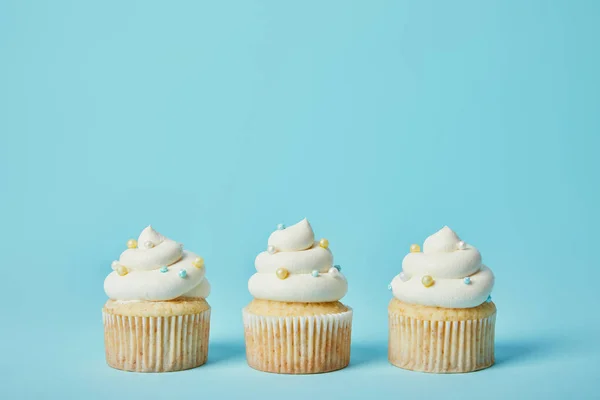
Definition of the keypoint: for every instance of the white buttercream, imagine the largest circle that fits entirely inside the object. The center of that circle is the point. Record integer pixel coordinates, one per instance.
(165, 253)
(297, 262)
(300, 255)
(443, 241)
(448, 266)
(200, 290)
(145, 281)
(294, 238)
(299, 287)
(454, 264)
(150, 235)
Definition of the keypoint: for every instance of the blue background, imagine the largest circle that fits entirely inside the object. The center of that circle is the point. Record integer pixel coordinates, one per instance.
(380, 121)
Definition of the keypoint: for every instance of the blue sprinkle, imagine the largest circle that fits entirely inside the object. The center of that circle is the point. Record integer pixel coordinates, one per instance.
(280, 227)
(390, 286)
(337, 267)
(489, 299)
(315, 273)
(164, 269)
(467, 281)
(182, 273)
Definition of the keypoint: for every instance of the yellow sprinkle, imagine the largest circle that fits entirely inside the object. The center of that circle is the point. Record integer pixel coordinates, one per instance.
(415, 248)
(324, 243)
(131, 244)
(282, 273)
(427, 281)
(198, 262)
(121, 270)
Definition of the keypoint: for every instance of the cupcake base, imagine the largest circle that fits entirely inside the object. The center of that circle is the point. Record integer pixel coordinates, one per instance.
(161, 336)
(438, 340)
(297, 338)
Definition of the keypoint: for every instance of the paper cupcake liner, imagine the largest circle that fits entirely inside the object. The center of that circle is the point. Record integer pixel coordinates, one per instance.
(441, 346)
(156, 344)
(298, 345)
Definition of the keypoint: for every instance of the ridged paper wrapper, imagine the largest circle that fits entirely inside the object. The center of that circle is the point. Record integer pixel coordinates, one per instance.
(298, 344)
(156, 343)
(449, 341)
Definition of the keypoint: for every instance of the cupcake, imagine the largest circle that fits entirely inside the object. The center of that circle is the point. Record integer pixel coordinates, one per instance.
(295, 324)
(441, 318)
(156, 318)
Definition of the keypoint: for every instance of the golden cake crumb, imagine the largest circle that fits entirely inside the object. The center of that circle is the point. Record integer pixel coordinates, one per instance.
(179, 306)
(287, 309)
(441, 314)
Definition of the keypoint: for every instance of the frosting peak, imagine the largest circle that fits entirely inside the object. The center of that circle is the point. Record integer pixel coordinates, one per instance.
(294, 238)
(150, 235)
(444, 240)
(448, 273)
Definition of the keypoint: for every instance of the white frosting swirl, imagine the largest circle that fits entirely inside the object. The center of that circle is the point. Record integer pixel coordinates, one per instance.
(145, 280)
(296, 251)
(448, 261)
